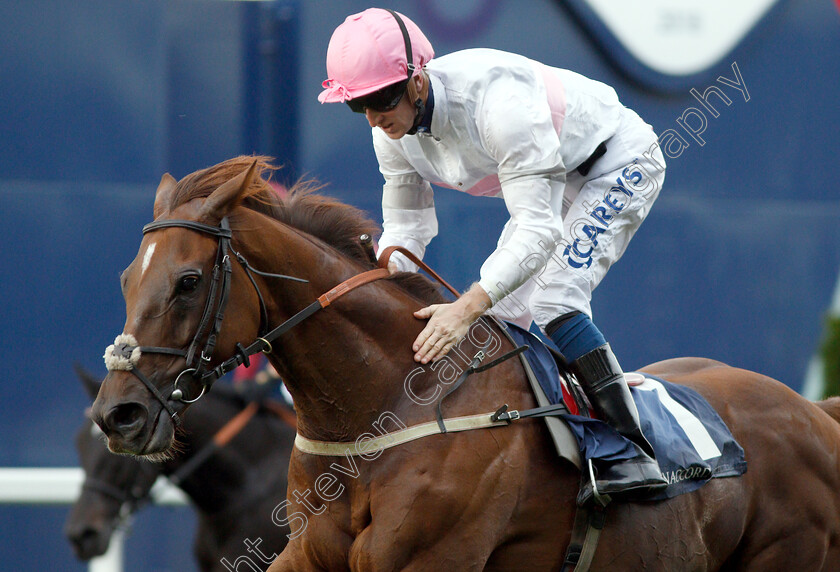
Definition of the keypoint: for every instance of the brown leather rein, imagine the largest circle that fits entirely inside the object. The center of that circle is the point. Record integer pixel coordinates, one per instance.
(263, 343)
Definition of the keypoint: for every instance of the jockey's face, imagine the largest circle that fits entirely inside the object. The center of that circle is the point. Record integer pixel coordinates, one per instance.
(399, 120)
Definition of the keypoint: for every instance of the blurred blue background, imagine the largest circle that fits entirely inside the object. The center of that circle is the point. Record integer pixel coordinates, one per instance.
(737, 261)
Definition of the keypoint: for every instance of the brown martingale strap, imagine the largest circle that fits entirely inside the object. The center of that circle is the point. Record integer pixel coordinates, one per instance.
(281, 411)
(225, 435)
(228, 432)
(236, 424)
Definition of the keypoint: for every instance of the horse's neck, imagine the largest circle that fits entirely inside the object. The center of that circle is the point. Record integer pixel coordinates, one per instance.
(221, 479)
(345, 365)
(350, 366)
(342, 363)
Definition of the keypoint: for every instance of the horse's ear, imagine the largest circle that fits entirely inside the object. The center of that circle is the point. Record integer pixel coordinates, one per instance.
(164, 194)
(227, 196)
(89, 381)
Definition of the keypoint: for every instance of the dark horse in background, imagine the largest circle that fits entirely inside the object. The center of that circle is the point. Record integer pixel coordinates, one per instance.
(489, 499)
(232, 489)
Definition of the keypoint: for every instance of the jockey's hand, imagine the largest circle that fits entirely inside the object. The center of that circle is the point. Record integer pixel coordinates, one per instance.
(448, 323)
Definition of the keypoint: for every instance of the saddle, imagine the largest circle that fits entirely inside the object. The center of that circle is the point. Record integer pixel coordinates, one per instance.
(691, 441)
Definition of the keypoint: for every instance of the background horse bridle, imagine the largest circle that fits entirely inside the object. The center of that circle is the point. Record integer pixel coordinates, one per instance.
(130, 499)
(136, 496)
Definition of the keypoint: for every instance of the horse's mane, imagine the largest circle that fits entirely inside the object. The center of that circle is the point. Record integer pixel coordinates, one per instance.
(337, 224)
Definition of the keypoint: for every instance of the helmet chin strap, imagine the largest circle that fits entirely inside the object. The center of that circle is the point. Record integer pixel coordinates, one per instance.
(419, 105)
(420, 111)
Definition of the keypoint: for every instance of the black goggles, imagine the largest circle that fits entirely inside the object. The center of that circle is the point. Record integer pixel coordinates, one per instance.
(383, 100)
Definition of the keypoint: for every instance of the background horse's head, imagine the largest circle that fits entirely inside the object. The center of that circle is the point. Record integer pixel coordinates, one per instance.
(113, 485)
(233, 468)
(174, 290)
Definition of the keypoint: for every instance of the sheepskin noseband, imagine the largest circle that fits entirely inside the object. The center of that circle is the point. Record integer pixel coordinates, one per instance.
(123, 354)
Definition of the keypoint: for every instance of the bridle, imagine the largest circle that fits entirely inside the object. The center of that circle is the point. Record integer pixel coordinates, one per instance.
(198, 362)
(131, 499)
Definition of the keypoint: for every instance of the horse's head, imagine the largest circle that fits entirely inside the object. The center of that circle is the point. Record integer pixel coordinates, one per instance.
(176, 291)
(197, 305)
(112, 488)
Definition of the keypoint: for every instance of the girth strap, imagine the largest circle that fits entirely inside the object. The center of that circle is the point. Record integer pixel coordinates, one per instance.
(546, 411)
(589, 522)
(394, 438)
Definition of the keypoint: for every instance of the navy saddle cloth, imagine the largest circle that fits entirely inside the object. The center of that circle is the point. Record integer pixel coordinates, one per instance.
(691, 441)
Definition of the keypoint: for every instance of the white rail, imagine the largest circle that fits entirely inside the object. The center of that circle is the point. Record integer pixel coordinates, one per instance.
(61, 486)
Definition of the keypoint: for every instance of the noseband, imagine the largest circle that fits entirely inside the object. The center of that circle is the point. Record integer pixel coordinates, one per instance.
(197, 363)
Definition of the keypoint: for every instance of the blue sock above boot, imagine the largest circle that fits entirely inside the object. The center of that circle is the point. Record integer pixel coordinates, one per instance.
(575, 335)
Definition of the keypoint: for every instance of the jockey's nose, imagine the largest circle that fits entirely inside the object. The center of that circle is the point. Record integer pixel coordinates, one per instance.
(125, 420)
(373, 117)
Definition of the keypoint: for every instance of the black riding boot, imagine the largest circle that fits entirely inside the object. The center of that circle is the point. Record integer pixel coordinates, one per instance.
(602, 379)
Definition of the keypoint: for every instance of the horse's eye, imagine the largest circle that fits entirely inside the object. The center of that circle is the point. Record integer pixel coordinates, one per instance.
(188, 283)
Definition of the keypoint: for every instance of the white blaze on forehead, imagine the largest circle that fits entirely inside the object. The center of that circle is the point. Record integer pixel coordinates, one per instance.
(147, 257)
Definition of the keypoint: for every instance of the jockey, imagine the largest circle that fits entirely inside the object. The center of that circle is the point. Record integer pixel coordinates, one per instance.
(578, 173)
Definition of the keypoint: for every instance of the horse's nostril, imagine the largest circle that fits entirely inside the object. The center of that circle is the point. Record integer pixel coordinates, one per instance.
(88, 543)
(125, 417)
(83, 536)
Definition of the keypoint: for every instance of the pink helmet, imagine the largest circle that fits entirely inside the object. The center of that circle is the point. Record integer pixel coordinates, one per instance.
(368, 52)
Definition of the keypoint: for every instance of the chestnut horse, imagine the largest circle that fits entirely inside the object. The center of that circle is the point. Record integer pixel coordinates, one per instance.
(497, 498)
